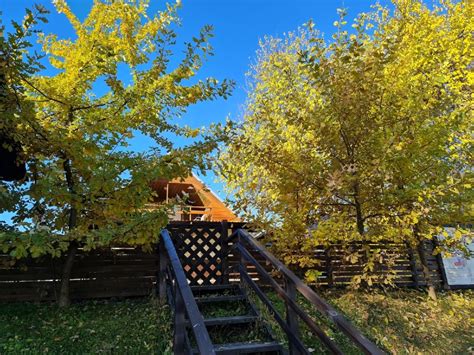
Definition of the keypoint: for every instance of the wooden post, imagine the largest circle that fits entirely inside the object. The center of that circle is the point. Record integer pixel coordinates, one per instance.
(242, 263)
(414, 269)
(179, 339)
(329, 267)
(224, 257)
(291, 316)
(163, 260)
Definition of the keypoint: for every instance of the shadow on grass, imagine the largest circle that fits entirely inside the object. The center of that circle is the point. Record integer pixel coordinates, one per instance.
(138, 326)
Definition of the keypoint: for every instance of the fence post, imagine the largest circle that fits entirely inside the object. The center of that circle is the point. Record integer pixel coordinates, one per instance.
(242, 263)
(224, 262)
(414, 269)
(162, 271)
(291, 316)
(329, 266)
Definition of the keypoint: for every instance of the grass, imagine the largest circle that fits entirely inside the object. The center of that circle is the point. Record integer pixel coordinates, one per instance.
(93, 327)
(401, 322)
(309, 340)
(224, 309)
(408, 322)
(224, 334)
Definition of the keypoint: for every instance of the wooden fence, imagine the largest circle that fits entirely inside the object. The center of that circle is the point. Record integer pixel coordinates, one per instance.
(113, 272)
(206, 258)
(400, 263)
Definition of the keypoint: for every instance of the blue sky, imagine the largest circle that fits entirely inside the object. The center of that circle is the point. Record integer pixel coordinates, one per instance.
(238, 26)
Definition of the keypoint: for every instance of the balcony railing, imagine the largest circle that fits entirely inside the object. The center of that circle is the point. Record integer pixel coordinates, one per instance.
(192, 213)
(186, 213)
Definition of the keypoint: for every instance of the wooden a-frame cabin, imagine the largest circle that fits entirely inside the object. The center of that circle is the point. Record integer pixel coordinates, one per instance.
(201, 204)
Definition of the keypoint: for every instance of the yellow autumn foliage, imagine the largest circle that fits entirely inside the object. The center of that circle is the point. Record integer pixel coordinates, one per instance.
(363, 137)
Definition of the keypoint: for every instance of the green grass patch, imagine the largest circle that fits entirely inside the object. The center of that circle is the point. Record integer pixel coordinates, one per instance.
(400, 322)
(224, 309)
(224, 334)
(308, 338)
(408, 322)
(92, 327)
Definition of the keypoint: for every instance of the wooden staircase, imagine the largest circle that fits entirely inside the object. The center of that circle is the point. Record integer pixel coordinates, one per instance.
(220, 308)
(233, 322)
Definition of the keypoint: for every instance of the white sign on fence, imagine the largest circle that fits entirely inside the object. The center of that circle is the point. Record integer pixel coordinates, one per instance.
(458, 269)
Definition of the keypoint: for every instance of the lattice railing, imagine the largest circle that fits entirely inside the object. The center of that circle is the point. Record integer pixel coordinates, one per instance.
(201, 247)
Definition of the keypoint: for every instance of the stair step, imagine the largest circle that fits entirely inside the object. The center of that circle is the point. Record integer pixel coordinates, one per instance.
(247, 348)
(215, 287)
(213, 299)
(230, 320)
(216, 290)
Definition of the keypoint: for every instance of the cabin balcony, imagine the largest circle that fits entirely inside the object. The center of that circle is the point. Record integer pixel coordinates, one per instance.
(186, 213)
(194, 201)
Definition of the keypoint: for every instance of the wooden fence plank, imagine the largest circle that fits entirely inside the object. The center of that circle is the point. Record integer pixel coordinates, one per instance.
(130, 271)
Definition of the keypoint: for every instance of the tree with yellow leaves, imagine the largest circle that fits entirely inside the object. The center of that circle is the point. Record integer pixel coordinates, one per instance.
(85, 186)
(365, 137)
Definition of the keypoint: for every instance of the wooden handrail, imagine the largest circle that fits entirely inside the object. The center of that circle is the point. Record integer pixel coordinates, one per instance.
(196, 319)
(302, 314)
(272, 310)
(342, 323)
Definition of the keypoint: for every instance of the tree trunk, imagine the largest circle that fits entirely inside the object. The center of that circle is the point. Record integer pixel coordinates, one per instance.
(426, 272)
(359, 218)
(64, 294)
(358, 208)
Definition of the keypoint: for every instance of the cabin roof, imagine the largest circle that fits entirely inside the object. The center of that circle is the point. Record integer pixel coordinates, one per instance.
(199, 195)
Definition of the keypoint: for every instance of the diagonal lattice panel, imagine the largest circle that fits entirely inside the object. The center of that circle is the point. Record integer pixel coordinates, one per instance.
(200, 251)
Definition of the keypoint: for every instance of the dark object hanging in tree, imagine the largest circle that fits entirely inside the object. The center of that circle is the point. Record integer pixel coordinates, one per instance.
(11, 166)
